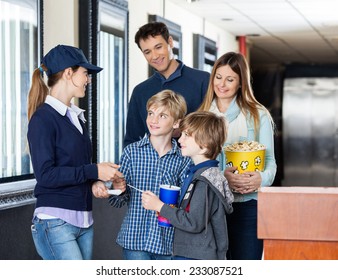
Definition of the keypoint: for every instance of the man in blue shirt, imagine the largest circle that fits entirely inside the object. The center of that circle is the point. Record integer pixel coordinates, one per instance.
(156, 44)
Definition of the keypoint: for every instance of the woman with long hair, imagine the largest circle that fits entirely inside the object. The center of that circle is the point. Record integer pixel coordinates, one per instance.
(230, 95)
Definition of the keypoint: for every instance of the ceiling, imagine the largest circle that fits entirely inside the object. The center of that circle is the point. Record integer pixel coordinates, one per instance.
(278, 31)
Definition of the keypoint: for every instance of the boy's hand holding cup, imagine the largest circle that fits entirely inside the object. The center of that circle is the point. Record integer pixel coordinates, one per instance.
(151, 202)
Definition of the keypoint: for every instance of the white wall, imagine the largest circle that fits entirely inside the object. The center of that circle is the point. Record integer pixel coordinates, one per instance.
(60, 23)
(191, 24)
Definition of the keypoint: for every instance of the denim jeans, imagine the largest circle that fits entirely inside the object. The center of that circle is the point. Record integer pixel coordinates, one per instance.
(180, 258)
(55, 239)
(242, 231)
(143, 255)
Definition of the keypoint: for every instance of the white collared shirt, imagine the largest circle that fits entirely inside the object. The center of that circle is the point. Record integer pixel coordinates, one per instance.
(75, 113)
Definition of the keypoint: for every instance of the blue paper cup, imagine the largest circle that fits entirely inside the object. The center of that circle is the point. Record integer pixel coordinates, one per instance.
(169, 195)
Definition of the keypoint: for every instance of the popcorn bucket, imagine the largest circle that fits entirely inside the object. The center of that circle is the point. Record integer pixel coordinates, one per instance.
(246, 156)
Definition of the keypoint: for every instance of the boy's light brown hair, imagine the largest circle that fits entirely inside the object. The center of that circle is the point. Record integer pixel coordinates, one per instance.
(173, 102)
(208, 130)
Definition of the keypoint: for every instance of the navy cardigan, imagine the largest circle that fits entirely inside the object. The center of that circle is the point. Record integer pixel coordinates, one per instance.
(61, 158)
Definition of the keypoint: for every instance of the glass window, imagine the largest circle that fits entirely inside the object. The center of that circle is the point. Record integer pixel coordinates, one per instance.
(112, 82)
(205, 53)
(18, 58)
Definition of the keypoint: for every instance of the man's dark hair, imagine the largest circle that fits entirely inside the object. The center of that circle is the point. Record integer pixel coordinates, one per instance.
(152, 29)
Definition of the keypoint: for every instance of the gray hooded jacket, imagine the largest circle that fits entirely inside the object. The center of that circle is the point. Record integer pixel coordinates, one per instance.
(201, 229)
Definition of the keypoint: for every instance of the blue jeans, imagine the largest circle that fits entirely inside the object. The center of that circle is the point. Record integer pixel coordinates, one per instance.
(242, 232)
(55, 239)
(143, 255)
(180, 258)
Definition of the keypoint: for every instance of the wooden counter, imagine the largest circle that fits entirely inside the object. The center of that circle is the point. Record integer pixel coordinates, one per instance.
(298, 223)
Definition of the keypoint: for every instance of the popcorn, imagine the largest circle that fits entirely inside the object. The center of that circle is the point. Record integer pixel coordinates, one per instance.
(246, 156)
(245, 146)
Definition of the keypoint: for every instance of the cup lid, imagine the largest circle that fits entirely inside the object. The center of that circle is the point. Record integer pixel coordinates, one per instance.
(170, 187)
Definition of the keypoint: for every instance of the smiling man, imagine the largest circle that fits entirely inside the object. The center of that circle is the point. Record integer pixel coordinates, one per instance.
(156, 44)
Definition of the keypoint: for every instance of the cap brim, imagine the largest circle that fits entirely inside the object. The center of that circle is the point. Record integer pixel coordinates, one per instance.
(92, 69)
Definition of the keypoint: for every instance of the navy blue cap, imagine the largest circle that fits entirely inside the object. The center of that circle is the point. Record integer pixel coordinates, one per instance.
(62, 57)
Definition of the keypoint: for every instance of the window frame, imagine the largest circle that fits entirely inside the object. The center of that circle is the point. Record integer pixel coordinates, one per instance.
(18, 190)
(205, 52)
(88, 42)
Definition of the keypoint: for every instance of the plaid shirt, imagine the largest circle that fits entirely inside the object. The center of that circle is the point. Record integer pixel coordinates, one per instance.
(144, 169)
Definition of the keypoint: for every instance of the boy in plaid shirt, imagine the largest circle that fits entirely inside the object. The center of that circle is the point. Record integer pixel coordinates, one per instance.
(146, 164)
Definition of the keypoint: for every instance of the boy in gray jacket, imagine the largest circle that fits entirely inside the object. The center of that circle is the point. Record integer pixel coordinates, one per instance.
(200, 220)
